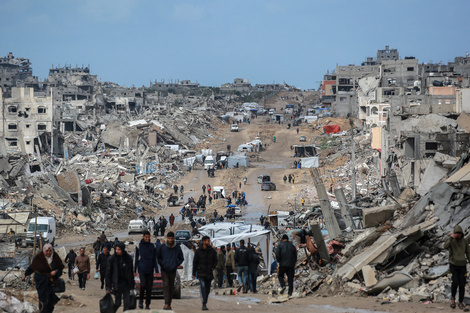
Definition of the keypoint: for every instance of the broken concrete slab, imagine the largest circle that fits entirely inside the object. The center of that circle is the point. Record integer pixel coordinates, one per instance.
(353, 266)
(69, 181)
(394, 281)
(369, 276)
(433, 174)
(375, 216)
(464, 121)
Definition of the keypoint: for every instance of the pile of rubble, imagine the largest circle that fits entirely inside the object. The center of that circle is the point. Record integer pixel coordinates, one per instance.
(110, 173)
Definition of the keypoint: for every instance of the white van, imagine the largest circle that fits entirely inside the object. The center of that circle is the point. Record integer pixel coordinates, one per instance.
(209, 162)
(234, 128)
(45, 229)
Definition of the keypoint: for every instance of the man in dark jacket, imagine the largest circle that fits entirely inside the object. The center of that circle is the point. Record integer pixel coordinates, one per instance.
(120, 276)
(169, 256)
(242, 260)
(101, 264)
(70, 260)
(286, 256)
(220, 266)
(459, 255)
(253, 268)
(205, 260)
(97, 247)
(145, 260)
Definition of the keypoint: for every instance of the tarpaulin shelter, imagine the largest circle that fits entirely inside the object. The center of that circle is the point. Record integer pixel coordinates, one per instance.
(309, 162)
(241, 160)
(331, 129)
(263, 238)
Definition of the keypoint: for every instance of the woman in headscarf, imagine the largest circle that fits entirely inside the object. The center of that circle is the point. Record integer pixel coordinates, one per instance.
(120, 276)
(47, 266)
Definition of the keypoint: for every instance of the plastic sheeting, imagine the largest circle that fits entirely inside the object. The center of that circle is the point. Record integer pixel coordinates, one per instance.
(187, 263)
(189, 161)
(216, 230)
(331, 129)
(309, 162)
(263, 238)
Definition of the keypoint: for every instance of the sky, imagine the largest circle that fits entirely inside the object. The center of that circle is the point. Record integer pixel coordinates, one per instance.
(133, 42)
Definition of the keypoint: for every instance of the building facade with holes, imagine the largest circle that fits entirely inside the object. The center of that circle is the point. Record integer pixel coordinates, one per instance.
(23, 118)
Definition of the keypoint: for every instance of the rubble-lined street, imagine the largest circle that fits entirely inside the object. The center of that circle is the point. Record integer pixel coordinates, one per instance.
(357, 193)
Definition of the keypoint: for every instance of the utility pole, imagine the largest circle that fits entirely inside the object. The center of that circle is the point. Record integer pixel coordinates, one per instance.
(328, 213)
(353, 160)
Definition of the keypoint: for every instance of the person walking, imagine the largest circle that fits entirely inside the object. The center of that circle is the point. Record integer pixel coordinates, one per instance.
(284, 179)
(242, 260)
(163, 224)
(171, 219)
(298, 130)
(97, 247)
(70, 260)
(82, 261)
(175, 189)
(209, 188)
(286, 256)
(220, 266)
(253, 269)
(229, 264)
(205, 260)
(244, 180)
(120, 276)
(290, 178)
(303, 201)
(103, 236)
(169, 256)
(293, 179)
(459, 256)
(145, 261)
(203, 189)
(181, 189)
(47, 266)
(101, 264)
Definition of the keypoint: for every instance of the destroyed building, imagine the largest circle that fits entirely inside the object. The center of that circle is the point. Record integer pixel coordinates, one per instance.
(24, 118)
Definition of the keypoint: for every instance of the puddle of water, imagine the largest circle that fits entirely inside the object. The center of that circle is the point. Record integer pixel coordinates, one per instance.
(332, 309)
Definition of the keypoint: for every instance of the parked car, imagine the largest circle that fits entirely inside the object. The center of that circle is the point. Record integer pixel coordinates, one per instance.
(157, 287)
(262, 178)
(136, 226)
(303, 138)
(182, 236)
(268, 186)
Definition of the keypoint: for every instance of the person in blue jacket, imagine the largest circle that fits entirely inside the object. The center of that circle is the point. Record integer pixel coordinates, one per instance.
(145, 261)
(169, 256)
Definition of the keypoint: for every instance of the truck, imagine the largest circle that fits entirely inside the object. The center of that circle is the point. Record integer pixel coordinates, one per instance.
(209, 162)
(45, 230)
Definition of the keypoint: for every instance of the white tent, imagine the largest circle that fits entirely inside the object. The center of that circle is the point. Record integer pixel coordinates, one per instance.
(222, 229)
(263, 238)
(187, 263)
(309, 162)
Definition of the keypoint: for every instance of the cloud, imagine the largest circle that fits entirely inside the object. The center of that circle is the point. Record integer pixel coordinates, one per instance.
(188, 13)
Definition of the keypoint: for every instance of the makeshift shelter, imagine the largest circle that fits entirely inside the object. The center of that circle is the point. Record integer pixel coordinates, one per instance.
(246, 148)
(241, 160)
(302, 151)
(263, 238)
(222, 229)
(219, 190)
(309, 162)
(18, 221)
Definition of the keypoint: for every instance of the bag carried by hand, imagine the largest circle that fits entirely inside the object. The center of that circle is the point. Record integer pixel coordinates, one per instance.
(75, 270)
(107, 304)
(97, 275)
(132, 300)
(58, 285)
